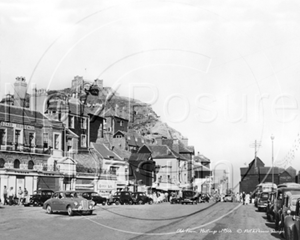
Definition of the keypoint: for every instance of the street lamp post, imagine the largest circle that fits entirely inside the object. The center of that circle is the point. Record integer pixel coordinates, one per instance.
(272, 138)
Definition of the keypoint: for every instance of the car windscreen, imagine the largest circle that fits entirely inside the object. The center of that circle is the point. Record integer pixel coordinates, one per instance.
(264, 196)
(70, 195)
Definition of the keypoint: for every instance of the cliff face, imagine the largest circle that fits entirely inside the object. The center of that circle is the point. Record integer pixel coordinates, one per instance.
(142, 118)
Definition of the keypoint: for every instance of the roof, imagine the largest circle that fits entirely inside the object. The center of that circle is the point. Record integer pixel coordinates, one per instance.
(201, 158)
(105, 152)
(87, 161)
(140, 156)
(20, 115)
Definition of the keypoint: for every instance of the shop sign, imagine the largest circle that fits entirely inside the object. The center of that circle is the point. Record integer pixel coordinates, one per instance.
(14, 125)
(106, 184)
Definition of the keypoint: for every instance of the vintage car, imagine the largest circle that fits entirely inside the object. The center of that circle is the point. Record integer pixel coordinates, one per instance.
(124, 197)
(292, 223)
(262, 201)
(39, 197)
(91, 195)
(228, 198)
(278, 203)
(288, 206)
(189, 197)
(270, 207)
(141, 198)
(70, 202)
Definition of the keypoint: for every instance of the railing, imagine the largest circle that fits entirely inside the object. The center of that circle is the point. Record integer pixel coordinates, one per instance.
(25, 148)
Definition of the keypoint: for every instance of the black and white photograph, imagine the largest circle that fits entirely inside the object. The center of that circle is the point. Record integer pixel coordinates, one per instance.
(149, 119)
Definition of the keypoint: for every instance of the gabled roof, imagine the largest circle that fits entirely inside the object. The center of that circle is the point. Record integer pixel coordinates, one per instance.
(105, 152)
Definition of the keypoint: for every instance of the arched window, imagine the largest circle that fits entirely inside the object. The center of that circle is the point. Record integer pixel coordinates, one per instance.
(16, 163)
(30, 164)
(2, 163)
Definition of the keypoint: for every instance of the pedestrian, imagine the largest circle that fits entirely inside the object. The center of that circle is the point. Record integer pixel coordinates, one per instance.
(5, 196)
(11, 195)
(243, 196)
(25, 196)
(20, 195)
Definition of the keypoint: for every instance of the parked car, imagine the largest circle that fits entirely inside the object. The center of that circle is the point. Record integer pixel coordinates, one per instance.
(278, 203)
(91, 195)
(70, 202)
(124, 197)
(39, 197)
(292, 223)
(189, 197)
(141, 198)
(262, 201)
(228, 198)
(288, 206)
(270, 207)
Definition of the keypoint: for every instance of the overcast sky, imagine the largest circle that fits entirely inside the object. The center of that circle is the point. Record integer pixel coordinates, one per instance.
(223, 73)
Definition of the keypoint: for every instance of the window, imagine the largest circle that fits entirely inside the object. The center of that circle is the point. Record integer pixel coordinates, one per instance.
(16, 163)
(71, 122)
(83, 140)
(83, 123)
(2, 163)
(3, 136)
(31, 139)
(30, 164)
(45, 140)
(17, 136)
(56, 142)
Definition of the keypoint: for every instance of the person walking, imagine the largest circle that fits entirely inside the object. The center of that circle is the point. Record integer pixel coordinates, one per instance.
(20, 196)
(11, 195)
(243, 196)
(5, 196)
(25, 196)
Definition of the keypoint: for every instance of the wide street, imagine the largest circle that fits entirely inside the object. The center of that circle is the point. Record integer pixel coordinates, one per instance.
(158, 221)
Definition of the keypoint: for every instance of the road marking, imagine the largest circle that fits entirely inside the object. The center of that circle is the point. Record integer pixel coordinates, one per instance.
(160, 234)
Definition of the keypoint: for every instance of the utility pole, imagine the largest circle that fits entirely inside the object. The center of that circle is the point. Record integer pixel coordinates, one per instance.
(256, 145)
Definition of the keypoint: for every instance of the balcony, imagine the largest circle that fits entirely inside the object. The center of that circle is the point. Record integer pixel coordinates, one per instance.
(13, 147)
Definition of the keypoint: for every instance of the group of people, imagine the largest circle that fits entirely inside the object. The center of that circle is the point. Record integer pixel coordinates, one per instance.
(243, 197)
(10, 198)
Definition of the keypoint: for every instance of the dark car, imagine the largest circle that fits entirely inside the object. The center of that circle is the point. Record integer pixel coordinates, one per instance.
(91, 195)
(125, 197)
(270, 207)
(292, 223)
(278, 203)
(141, 198)
(262, 201)
(70, 202)
(189, 197)
(39, 197)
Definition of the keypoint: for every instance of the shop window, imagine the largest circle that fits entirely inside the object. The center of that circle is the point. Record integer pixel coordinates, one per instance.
(30, 164)
(16, 163)
(2, 163)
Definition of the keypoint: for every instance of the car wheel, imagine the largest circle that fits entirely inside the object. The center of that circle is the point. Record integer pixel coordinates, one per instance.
(49, 209)
(70, 211)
